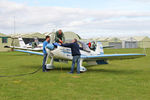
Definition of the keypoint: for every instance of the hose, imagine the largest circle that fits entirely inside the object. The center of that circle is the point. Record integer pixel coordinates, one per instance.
(23, 74)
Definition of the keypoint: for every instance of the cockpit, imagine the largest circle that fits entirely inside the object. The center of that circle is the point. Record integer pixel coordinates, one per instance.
(84, 46)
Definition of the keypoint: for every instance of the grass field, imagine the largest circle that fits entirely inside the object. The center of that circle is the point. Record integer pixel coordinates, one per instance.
(119, 80)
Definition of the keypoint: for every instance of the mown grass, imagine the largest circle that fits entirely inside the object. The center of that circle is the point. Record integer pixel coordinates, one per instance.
(119, 80)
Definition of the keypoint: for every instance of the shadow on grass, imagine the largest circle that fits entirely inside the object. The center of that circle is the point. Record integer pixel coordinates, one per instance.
(109, 71)
(113, 71)
(64, 68)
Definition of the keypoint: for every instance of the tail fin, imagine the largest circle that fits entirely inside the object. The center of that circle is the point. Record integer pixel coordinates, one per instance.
(99, 49)
(36, 40)
(21, 42)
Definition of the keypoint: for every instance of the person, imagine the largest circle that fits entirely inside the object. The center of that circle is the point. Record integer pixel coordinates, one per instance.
(75, 50)
(89, 44)
(34, 45)
(59, 37)
(93, 46)
(45, 53)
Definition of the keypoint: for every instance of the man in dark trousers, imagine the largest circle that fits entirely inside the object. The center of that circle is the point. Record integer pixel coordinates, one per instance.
(59, 37)
(45, 53)
(75, 49)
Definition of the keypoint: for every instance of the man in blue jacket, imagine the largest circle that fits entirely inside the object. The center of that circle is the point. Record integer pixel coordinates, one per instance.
(75, 49)
(45, 53)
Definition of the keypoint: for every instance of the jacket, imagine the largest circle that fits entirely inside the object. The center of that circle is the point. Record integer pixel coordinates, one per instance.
(75, 49)
(59, 36)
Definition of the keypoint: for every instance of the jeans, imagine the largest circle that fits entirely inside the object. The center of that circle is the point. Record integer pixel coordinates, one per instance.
(76, 59)
(44, 61)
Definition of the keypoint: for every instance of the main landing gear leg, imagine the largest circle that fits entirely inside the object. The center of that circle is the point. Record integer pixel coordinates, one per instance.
(50, 66)
(82, 68)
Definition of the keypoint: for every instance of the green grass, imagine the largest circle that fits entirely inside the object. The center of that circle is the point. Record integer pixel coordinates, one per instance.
(119, 80)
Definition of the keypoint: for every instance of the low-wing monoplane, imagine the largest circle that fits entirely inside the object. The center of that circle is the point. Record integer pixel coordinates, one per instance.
(96, 57)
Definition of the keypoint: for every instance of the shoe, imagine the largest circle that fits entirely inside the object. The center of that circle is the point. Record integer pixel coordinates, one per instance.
(70, 72)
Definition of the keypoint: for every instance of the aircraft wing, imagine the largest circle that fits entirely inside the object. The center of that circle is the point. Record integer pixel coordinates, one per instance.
(112, 57)
(97, 57)
(34, 49)
(31, 52)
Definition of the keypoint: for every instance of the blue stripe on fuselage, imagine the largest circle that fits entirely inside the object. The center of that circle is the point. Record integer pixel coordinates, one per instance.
(69, 53)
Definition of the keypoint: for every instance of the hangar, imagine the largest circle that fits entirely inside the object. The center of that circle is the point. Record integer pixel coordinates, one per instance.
(143, 41)
(71, 35)
(28, 38)
(116, 42)
(103, 40)
(68, 35)
(124, 42)
(4, 40)
(129, 43)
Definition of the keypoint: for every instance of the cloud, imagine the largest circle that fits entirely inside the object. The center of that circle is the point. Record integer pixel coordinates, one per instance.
(144, 1)
(82, 21)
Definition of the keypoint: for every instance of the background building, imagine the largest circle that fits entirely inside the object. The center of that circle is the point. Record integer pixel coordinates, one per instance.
(71, 35)
(143, 41)
(116, 42)
(103, 40)
(125, 42)
(129, 43)
(4, 41)
(28, 38)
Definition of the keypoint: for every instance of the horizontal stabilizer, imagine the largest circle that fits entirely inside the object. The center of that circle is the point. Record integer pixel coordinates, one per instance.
(110, 46)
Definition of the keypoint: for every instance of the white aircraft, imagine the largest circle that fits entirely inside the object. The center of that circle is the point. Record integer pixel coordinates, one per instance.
(96, 57)
(28, 46)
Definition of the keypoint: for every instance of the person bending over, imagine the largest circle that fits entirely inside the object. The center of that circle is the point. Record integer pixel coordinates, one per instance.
(59, 37)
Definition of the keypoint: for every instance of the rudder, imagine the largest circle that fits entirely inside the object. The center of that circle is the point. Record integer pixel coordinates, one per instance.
(99, 49)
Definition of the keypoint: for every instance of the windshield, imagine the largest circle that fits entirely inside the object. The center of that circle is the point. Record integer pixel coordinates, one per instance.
(84, 46)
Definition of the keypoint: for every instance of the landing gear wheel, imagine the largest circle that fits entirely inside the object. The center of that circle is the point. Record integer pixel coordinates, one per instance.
(49, 66)
(82, 69)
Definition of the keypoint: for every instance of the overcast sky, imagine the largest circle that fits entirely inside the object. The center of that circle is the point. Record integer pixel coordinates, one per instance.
(88, 18)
